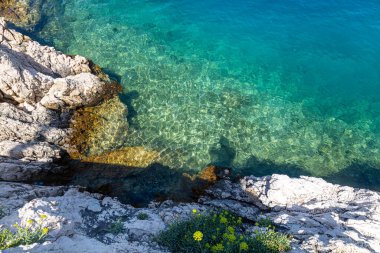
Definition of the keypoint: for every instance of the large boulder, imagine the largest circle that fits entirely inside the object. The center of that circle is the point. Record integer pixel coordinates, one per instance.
(30, 72)
(39, 87)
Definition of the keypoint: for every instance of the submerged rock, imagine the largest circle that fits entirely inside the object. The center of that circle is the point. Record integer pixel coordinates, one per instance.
(98, 129)
(138, 157)
(26, 13)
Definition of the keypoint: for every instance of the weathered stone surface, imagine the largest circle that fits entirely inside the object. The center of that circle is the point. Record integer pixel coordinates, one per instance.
(324, 217)
(321, 216)
(32, 151)
(19, 170)
(80, 221)
(71, 92)
(30, 73)
(38, 88)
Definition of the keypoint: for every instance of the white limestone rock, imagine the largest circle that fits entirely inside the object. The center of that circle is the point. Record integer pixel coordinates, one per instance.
(74, 91)
(78, 221)
(38, 88)
(346, 220)
(30, 72)
(322, 216)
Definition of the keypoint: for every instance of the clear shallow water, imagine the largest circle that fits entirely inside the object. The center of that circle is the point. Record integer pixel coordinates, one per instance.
(262, 86)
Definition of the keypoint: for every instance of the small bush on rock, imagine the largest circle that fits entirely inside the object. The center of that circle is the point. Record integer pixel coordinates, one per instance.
(264, 222)
(116, 227)
(220, 232)
(23, 235)
(142, 216)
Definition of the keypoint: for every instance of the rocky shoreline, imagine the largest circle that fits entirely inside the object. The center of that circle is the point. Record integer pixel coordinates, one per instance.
(40, 89)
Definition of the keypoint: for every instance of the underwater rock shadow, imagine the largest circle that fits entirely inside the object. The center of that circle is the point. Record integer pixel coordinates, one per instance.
(358, 175)
(259, 168)
(133, 185)
(112, 75)
(224, 154)
(127, 99)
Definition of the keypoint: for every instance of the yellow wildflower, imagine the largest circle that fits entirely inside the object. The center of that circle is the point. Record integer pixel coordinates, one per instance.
(45, 230)
(194, 210)
(243, 246)
(43, 216)
(198, 236)
(29, 222)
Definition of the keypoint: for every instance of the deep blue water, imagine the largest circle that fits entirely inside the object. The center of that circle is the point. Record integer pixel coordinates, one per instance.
(260, 86)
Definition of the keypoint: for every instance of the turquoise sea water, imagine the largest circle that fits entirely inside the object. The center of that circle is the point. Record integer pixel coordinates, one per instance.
(261, 86)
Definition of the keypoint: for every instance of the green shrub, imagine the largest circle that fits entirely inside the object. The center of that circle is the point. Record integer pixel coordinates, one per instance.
(116, 227)
(264, 222)
(142, 216)
(270, 241)
(23, 235)
(220, 232)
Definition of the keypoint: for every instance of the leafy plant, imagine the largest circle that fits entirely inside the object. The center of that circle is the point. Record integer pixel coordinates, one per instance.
(116, 227)
(23, 235)
(142, 216)
(220, 232)
(264, 222)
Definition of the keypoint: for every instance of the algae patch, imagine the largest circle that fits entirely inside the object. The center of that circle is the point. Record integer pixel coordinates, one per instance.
(25, 13)
(99, 135)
